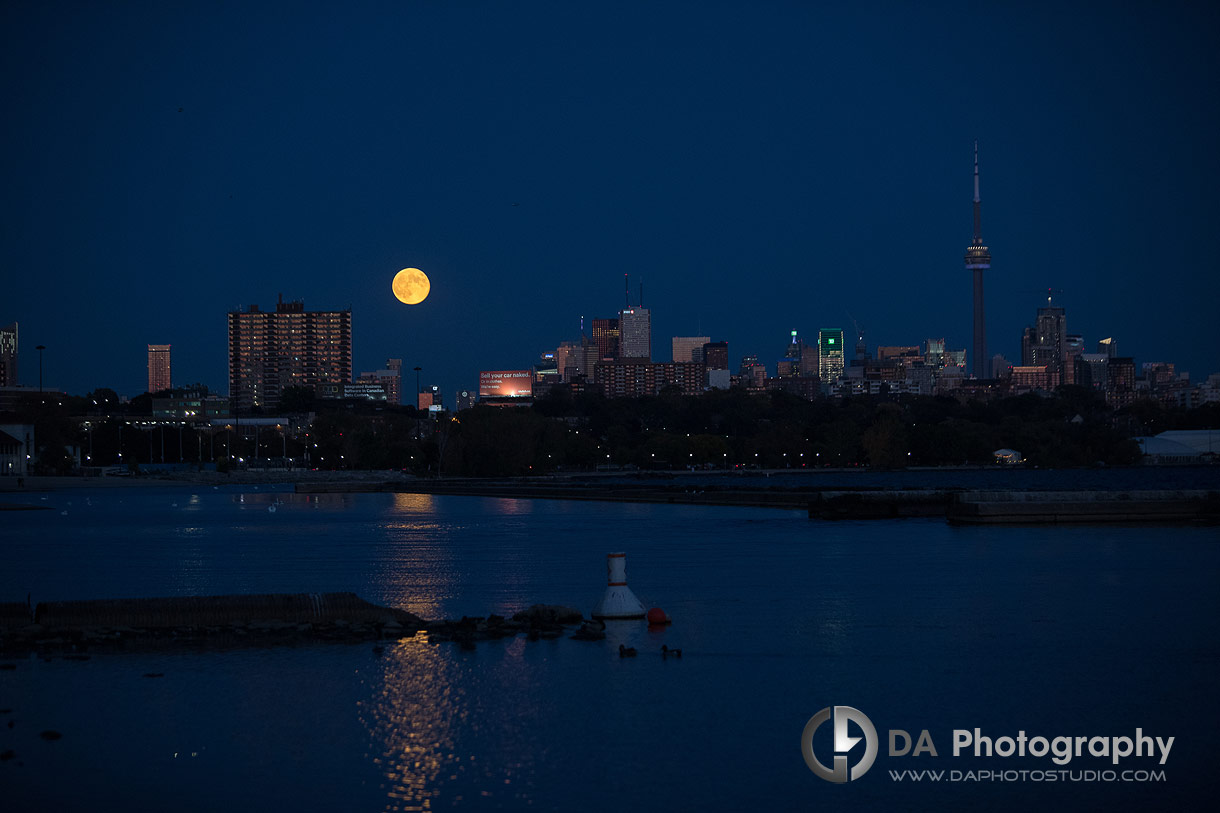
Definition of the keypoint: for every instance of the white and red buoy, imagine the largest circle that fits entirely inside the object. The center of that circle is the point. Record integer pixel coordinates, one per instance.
(618, 602)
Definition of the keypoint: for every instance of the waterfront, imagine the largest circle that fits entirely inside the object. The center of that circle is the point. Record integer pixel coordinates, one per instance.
(919, 624)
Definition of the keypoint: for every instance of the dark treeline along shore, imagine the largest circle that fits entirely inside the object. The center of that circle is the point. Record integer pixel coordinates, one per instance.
(715, 431)
(724, 430)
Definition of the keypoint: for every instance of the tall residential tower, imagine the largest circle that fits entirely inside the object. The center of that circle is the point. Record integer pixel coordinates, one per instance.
(8, 356)
(290, 347)
(160, 376)
(978, 260)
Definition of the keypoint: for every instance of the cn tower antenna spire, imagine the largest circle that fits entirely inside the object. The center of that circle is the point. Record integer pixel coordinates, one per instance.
(978, 206)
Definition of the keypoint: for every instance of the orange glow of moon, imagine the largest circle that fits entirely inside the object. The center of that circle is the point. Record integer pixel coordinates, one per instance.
(411, 286)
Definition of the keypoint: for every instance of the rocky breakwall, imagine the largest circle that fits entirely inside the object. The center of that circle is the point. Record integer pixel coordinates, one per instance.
(198, 621)
(1054, 507)
(879, 504)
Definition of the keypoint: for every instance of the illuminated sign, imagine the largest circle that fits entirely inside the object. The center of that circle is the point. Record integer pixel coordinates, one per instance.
(506, 384)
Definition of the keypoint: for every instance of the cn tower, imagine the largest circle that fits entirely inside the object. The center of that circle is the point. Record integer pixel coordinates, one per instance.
(978, 259)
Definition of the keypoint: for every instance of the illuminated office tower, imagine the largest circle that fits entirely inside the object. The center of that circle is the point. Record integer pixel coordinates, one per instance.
(753, 373)
(830, 354)
(159, 374)
(1046, 342)
(716, 355)
(606, 338)
(635, 333)
(689, 348)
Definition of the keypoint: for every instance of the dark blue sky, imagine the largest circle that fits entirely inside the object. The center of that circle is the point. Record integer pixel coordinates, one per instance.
(761, 167)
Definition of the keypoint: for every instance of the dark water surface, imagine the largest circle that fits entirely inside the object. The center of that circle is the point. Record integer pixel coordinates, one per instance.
(1053, 631)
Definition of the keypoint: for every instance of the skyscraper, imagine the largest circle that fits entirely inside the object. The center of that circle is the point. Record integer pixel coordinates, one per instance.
(689, 348)
(291, 347)
(830, 354)
(8, 356)
(978, 260)
(606, 337)
(160, 376)
(716, 355)
(1045, 343)
(635, 333)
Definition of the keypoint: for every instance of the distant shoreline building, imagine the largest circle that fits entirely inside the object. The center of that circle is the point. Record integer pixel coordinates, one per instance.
(8, 356)
(290, 347)
(389, 378)
(160, 372)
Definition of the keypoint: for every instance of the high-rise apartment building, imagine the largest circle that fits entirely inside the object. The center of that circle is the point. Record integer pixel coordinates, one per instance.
(290, 347)
(160, 376)
(8, 356)
(1108, 347)
(689, 348)
(635, 334)
(830, 354)
(632, 378)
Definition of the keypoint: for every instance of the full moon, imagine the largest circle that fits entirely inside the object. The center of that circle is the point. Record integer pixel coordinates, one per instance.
(411, 286)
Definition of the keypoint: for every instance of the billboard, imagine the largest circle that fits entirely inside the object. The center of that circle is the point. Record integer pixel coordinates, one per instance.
(506, 384)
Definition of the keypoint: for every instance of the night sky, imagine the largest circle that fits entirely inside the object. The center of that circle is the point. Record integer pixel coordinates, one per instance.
(761, 167)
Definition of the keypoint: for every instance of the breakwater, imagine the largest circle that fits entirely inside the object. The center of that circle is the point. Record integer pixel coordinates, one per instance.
(191, 621)
(959, 506)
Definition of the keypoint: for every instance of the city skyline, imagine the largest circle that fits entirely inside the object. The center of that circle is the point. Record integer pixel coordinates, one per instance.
(523, 165)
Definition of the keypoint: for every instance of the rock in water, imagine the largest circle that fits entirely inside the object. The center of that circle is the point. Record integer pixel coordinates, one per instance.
(549, 614)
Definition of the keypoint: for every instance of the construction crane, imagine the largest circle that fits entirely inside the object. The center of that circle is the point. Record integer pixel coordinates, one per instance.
(861, 352)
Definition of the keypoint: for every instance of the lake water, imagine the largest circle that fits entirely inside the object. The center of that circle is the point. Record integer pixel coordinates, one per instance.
(1052, 630)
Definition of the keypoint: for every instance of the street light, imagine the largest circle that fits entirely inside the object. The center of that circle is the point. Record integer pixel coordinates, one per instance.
(417, 426)
(40, 348)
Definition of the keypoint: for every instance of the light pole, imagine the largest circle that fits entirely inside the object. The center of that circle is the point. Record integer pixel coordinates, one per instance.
(40, 348)
(417, 427)
(41, 402)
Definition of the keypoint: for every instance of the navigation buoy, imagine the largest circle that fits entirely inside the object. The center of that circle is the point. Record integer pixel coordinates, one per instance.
(618, 602)
(657, 617)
